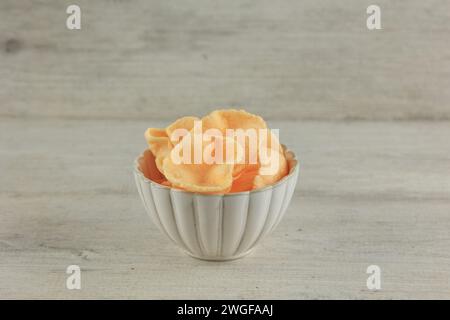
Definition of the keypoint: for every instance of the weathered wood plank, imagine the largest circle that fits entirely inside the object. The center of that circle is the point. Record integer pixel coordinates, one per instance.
(285, 60)
(369, 193)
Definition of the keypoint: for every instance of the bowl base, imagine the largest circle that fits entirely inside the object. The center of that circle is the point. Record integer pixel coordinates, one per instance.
(219, 259)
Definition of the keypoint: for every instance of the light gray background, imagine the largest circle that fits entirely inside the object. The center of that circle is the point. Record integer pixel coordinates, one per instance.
(366, 111)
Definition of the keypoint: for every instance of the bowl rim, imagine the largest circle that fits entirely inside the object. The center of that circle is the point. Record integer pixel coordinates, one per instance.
(291, 173)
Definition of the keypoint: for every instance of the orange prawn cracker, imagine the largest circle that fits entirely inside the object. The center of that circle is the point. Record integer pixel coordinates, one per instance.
(185, 123)
(236, 120)
(203, 177)
(159, 144)
(253, 166)
(147, 164)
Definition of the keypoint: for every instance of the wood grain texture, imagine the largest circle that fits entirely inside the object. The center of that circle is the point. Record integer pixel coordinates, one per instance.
(286, 60)
(368, 193)
(367, 112)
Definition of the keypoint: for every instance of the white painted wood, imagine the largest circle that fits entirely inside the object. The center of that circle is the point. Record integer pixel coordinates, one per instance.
(74, 106)
(285, 60)
(369, 193)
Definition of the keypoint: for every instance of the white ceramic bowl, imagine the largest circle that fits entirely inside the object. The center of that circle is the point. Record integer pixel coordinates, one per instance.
(217, 227)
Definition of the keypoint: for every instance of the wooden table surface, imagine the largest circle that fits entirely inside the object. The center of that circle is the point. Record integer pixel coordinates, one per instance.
(367, 112)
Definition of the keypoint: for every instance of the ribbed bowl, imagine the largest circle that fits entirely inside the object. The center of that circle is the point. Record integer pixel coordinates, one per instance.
(217, 227)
